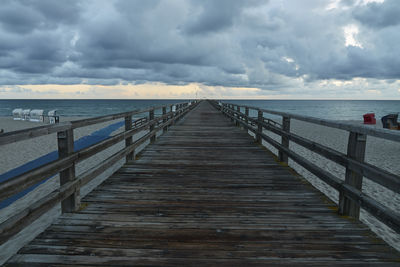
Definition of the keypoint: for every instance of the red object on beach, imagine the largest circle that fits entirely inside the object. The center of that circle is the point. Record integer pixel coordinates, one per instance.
(369, 118)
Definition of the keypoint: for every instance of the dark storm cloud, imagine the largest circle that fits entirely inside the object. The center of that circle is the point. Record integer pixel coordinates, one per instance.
(24, 16)
(265, 44)
(213, 16)
(379, 15)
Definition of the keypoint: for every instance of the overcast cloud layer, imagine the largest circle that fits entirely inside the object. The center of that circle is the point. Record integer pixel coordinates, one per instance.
(263, 44)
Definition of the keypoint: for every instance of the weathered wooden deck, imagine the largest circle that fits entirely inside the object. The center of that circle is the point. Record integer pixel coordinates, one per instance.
(205, 194)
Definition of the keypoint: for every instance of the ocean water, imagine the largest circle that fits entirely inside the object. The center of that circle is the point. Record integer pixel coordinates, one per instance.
(329, 109)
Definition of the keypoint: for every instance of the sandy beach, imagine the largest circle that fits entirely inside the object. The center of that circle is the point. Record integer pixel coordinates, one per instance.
(379, 152)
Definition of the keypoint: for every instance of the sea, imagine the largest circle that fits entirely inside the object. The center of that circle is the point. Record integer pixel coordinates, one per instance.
(328, 109)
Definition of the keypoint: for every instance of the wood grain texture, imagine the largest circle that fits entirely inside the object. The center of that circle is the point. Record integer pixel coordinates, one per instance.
(205, 194)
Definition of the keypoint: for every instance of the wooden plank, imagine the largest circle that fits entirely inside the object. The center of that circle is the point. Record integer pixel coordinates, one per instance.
(376, 174)
(20, 135)
(17, 184)
(198, 200)
(384, 214)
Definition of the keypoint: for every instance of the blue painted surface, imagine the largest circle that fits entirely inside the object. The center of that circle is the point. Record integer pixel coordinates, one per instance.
(79, 144)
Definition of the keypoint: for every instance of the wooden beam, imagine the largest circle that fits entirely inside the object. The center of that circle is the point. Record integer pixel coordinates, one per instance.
(382, 213)
(284, 140)
(20, 135)
(69, 188)
(238, 115)
(65, 149)
(129, 140)
(164, 112)
(259, 126)
(151, 117)
(351, 127)
(17, 184)
(374, 173)
(247, 115)
(355, 150)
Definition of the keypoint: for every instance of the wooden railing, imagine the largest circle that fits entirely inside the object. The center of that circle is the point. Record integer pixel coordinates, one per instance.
(68, 192)
(351, 197)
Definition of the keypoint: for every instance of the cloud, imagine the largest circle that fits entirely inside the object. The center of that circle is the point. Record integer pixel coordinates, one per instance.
(215, 43)
(379, 15)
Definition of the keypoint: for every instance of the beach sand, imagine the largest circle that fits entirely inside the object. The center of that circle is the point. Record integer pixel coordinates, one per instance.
(379, 152)
(16, 154)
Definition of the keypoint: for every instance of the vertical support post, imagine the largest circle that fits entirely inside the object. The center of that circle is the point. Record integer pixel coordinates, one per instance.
(355, 150)
(238, 115)
(172, 115)
(259, 126)
(65, 141)
(129, 140)
(177, 111)
(283, 157)
(151, 117)
(231, 112)
(246, 112)
(164, 112)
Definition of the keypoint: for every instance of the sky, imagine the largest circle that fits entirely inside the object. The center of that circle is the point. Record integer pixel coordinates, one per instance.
(223, 49)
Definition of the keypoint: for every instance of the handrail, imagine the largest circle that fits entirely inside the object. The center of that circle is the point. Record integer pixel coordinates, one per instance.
(20, 135)
(67, 193)
(381, 133)
(351, 195)
(376, 174)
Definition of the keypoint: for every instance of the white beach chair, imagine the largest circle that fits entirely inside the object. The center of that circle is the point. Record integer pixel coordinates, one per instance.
(17, 114)
(52, 116)
(36, 115)
(173, 108)
(25, 114)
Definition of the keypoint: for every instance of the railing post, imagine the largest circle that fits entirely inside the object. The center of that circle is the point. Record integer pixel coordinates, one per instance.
(151, 117)
(246, 112)
(355, 150)
(283, 157)
(231, 112)
(164, 112)
(172, 114)
(129, 140)
(238, 115)
(259, 126)
(65, 141)
(177, 112)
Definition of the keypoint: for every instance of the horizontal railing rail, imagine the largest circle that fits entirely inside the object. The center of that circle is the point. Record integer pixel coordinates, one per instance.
(351, 196)
(68, 192)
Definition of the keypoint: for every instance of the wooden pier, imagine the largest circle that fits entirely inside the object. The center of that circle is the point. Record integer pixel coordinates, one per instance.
(205, 194)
